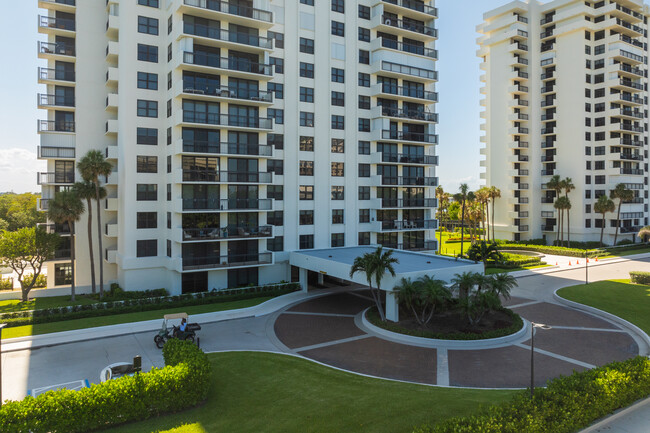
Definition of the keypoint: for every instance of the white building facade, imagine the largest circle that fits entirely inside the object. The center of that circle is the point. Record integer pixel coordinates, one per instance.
(565, 93)
(239, 131)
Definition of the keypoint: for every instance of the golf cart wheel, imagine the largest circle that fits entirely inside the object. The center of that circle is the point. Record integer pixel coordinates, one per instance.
(159, 341)
(190, 338)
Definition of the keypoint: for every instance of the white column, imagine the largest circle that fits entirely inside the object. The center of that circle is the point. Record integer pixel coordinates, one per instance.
(321, 279)
(302, 278)
(392, 307)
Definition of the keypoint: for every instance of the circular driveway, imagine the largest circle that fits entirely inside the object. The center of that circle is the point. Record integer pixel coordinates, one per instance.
(324, 329)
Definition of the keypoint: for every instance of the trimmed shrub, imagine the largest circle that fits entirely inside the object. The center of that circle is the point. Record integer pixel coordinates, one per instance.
(639, 277)
(566, 405)
(41, 280)
(6, 283)
(512, 261)
(560, 251)
(183, 383)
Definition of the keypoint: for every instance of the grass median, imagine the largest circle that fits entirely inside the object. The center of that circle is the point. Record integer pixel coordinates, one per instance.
(264, 392)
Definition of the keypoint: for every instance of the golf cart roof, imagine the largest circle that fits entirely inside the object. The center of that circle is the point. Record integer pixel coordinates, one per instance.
(175, 316)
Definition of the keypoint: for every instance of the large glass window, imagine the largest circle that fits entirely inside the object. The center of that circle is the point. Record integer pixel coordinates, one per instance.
(147, 25)
(147, 136)
(147, 108)
(62, 274)
(147, 220)
(148, 53)
(147, 248)
(147, 164)
(147, 192)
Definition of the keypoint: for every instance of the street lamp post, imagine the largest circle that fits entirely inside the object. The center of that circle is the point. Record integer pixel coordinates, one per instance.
(2, 325)
(586, 267)
(532, 354)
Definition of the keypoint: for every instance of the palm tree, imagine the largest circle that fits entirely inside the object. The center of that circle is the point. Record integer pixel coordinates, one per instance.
(86, 190)
(375, 264)
(92, 166)
(622, 193)
(561, 204)
(462, 197)
(484, 251)
(555, 184)
(644, 233)
(483, 195)
(464, 283)
(602, 206)
(501, 284)
(568, 186)
(495, 193)
(66, 208)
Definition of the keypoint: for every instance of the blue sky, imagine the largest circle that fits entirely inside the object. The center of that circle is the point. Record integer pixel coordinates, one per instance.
(458, 87)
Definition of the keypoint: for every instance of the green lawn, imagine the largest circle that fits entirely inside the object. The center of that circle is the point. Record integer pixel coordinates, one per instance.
(451, 249)
(40, 303)
(68, 325)
(263, 392)
(629, 252)
(619, 297)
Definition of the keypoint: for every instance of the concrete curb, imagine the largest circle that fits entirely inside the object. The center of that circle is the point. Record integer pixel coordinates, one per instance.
(616, 415)
(601, 262)
(492, 343)
(609, 316)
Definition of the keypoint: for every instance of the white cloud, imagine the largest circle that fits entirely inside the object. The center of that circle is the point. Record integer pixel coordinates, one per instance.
(18, 168)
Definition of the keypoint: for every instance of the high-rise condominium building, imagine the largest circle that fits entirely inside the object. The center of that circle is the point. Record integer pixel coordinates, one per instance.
(240, 131)
(566, 93)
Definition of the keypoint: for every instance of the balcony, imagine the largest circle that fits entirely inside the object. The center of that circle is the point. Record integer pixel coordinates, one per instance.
(547, 131)
(629, 12)
(627, 127)
(402, 47)
(629, 84)
(408, 93)
(632, 171)
(252, 204)
(626, 56)
(229, 232)
(546, 34)
(547, 158)
(629, 112)
(240, 67)
(408, 180)
(631, 142)
(229, 261)
(631, 70)
(404, 158)
(548, 172)
(53, 76)
(633, 99)
(408, 26)
(548, 228)
(55, 51)
(400, 203)
(42, 204)
(631, 41)
(198, 146)
(390, 226)
(50, 152)
(398, 70)
(225, 92)
(518, 103)
(61, 229)
(638, 31)
(56, 26)
(234, 12)
(62, 254)
(234, 39)
(55, 126)
(631, 156)
(58, 5)
(228, 120)
(55, 101)
(424, 11)
(55, 178)
(400, 113)
(226, 176)
(548, 75)
(418, 137)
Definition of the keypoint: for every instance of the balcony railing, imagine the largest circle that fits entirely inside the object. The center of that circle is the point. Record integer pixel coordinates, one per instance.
(226, 176)
(227, 36)
(632, 84)
(56, 48)
(631, 113)
(55, 126)
(56, 23)
(522, 200)
(411, 26)
(51, 178)
(628, 127)
(233, 9)
(631, 41)
(409, 114)
(54, 74)
(416, 6)
(627, 68)
(408, 136)
(55, 228)
(627, 25)
(409, 48)
(548, 228)
(227, 204)
(409, 225)
(409, 70)
(229, 92)
(55, 100)
(410, 92)
(406, 158)
(630, 98)
(56, 152)
(233, 64)
(631, 156)
(630, 142)
(417, 246)
(228, 232)
(409, 180)
(235, 260)
(227, 120)
(200, 146)
(408, 202)
(62, 253)
(629, 11)
(548, 172)
(546, 34)
(634, 171)
(630, 56)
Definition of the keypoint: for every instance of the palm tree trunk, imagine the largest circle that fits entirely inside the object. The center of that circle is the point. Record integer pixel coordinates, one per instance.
(557, 221)
(568, 228)
(90, 247)
(618, 220)
(72, 257)
(487, 220)
(99, 238)
(462, 227)
(602, 230)
(493, 235)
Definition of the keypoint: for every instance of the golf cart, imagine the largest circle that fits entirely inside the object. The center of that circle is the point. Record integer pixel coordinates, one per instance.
(174, 331)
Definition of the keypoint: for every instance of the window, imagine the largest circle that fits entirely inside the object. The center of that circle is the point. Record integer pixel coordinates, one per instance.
(306, 168)
(169, 164)
(169, 53)
(276, 140)
(338, 29)
(599, 165)
(588, 224)
(337, 216)
(364, 215)
(306, 119)
(364, 79)
(306, 242)
(275, 218)
(338, 122)
(587, 193)
(148, 53)
(338, 99)
(307, 2)
(364, 125)
(364, 12)
(338, 145)
(169, 220)
(306, 46)
(169, 108)
(147, 220)
(338, 193)
(147, 25)
(306, 94)
(277, 89)
(147, 164)
(169, 136)
(364, 193)
(147, 248)
(169, 248)
(147, 136)
(364, 102)
(170, 23)
(147, 81)
(364, 238)
(275, 166)
(275, 192)
(588, 180)
(307, 144)
(338, 6)
(62, 274)
(338, 169)
(279, 38)
(364, 34)
(364, 148)
(277, 115)
(169, 192)
(587, 208)
(338, 240)
(169, 80)
(599, 180)
(150, 3)
(278, 64)
(306, 218)
(306, 70)
(147, 108)
(275, 244)
(147, 192)
(364, 170)
(306, 192)
(364, 57)
(338, 75)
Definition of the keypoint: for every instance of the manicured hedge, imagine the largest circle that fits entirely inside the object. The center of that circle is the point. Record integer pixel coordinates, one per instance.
(183, 383)
(567, 405)
(48, 315)
(639, 277)
(512, 261)
(560, 251)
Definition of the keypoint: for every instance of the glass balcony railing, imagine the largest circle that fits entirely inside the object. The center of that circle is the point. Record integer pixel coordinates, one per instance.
(231, 231)
(409, 225)
(416, 6)
(227, 204)
(234, 260)
(408, 202)
(55, 126)
(226, 176)
(227, 36)
(227, 120)
(55, 100)
(408, 136)
(56, 23)
(404, 158)
(55, 74)
(409, 180)
(232, 8)
(200, 146)
(411, 92)
(409, 114)
(409, 48)
(410, 26)
(56, 48)
(229, 92)
(233, 64)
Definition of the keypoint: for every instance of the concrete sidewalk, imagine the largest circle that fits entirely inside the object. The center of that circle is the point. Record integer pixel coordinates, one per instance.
(564, 263)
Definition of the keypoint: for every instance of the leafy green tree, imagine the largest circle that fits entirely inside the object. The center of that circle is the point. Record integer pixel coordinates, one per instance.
(91, 166)
(453, 211)
(644, 233)
(19, 210)
(87, 191)
(602, 206)
(26, 249)
(66, 208)
(483, 251)
(501, 284)
(622, 193)
(375, 265)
